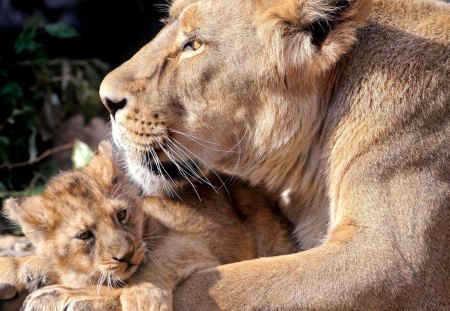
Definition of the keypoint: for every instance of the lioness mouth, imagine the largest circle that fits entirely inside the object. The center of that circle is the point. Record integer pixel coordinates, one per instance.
(173, 170)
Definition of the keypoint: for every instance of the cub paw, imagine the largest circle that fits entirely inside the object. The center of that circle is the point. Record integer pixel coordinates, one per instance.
(146, 297)
(50, 298)
(9, 277)
(7, 291)
(59, 298)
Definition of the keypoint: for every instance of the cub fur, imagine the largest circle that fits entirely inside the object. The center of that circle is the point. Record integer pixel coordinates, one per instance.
(90, 228)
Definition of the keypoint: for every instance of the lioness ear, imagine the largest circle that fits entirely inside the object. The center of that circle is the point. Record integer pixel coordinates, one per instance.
(103, 166)
(29, 213)
(313, 32)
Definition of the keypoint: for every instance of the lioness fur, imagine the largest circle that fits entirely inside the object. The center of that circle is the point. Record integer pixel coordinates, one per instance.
(90, 228)
(340, 107)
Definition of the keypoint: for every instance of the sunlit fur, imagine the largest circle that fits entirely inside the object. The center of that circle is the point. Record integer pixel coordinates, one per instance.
(76, 201)
(171, 238)
(339, 106)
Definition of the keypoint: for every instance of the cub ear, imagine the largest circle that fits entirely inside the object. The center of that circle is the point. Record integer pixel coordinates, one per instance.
(103, 166)
(313, 32)
(30, 214)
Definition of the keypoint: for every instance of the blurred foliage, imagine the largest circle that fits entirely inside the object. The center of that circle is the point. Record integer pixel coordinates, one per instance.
(37, 94)
(81, 154)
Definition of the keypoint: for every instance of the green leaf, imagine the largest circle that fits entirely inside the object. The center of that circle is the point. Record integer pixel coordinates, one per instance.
(4, 149)
(4, 141)
(2, 187)
(61, 30)
(37, 190)
(26, 40)
(34, 22)
(81, 154)
(49, 170)
(12, 90)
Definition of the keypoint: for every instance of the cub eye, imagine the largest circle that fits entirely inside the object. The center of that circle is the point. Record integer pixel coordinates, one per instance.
(122, 215)
(84, 235)
(192, 45)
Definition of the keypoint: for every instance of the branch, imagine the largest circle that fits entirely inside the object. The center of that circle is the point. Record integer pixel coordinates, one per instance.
(38, 158)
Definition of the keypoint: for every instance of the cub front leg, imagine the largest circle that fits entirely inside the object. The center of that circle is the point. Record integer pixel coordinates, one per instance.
(20, 276)
(61, 298)
(143, 297)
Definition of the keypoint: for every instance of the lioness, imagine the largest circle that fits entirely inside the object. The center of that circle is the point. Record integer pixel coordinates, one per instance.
(342, 107)
(91, 228)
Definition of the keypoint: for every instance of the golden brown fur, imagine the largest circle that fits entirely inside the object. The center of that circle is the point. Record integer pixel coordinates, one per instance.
(340, 107)
(163, 240)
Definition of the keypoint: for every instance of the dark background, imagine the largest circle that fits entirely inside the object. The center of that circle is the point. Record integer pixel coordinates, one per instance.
(37, 114)
(110, 30)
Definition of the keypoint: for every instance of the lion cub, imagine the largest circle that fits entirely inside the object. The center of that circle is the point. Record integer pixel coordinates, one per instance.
(109, 249)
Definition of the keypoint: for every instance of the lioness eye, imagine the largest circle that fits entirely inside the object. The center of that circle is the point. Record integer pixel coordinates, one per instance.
(192, 45)
(122, 215)
(84, 235)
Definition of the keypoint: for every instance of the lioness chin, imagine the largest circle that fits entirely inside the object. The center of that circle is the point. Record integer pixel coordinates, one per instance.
(342, 107)
(99, 246)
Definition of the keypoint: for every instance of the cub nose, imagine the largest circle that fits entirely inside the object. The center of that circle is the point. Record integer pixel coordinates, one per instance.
(114, 105)
(124, 257)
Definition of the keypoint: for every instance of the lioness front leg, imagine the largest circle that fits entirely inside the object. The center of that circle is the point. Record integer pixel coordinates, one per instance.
(340, 275)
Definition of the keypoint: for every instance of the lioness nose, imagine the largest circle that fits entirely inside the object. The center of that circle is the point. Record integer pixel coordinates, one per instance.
(114, 105)
(124, 257)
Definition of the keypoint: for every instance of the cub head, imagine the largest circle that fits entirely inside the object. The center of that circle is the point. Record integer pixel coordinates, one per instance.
(86, 224)
(226, 84)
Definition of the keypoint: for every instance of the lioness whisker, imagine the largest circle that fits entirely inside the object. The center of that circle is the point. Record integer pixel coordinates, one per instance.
(159, 166)
(156, 161)
(233, 172)
(187, 162)
(206, 164)
(182, 172)
(191, 136)
(172, 145)
(203, 145)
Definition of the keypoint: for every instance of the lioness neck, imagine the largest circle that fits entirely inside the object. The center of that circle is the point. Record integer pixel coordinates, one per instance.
(294, 170)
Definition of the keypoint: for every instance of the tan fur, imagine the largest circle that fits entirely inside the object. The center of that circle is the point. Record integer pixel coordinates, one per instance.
(340, 107)
(165, 240)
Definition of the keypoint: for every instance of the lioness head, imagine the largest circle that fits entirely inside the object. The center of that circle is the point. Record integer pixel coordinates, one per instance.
(86, 225)
(226, 85)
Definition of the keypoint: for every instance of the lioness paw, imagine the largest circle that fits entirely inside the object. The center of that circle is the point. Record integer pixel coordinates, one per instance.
(146, 297)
